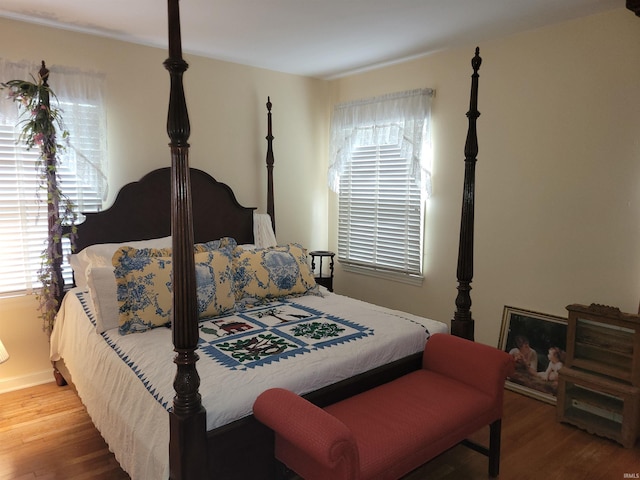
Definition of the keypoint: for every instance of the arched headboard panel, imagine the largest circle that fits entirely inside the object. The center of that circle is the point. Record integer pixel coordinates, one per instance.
(142, 210)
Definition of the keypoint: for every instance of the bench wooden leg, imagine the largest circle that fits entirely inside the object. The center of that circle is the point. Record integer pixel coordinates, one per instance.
(493, 452)
(494, 448)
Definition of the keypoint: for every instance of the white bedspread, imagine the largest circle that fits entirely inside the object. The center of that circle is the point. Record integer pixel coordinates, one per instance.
(125, 382)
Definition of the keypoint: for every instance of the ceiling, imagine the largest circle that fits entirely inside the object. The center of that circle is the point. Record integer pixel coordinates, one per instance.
(318, 38)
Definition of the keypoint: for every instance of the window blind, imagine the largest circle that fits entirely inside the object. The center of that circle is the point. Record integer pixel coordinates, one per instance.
(23, 209)
(380, 214)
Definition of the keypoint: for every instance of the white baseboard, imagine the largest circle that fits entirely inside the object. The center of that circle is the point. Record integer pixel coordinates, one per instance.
(25, 381)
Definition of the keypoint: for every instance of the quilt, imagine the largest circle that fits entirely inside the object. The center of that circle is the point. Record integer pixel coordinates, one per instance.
(272, 333)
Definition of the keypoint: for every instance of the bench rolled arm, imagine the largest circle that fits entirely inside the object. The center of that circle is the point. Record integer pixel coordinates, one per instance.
(480, 366)
(299, 424)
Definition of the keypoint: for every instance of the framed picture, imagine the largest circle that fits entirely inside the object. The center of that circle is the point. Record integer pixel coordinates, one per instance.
(538, 343)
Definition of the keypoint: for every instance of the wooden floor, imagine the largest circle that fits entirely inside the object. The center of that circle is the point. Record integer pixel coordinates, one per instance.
(45, 434)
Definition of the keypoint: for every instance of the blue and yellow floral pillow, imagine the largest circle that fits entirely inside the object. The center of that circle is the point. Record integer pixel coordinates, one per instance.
(267, 273)
(225, 243)
(144, 287)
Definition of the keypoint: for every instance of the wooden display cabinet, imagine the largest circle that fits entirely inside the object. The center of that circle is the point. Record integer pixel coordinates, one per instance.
(599, 384)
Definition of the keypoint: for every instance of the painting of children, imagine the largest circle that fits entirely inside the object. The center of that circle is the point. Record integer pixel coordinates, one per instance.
(537, 343)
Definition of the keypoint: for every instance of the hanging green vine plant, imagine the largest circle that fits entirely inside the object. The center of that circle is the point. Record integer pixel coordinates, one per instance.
(39, 125)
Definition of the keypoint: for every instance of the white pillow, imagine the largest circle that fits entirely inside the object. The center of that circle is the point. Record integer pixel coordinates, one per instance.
(79, 274)
(101, 282)
(263, 235)
(100, 255)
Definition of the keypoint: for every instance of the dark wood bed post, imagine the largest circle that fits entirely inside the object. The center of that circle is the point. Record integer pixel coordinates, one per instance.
(462, 324)
(188, 439)
(270, 201)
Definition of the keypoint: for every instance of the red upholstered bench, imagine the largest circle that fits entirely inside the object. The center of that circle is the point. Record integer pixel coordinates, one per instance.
(390, 430)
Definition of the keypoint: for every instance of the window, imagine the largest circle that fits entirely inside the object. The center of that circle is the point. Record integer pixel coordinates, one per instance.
(23, 215)
(380, 154)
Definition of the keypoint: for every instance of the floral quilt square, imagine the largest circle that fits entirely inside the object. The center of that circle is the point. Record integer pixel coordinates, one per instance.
(278, 331)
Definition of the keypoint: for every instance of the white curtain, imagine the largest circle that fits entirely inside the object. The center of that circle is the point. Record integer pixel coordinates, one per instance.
(394, 119)
(76, 90)
(80, 97)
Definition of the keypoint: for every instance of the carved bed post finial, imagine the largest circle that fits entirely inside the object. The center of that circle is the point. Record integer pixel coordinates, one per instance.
(270, 199)
(44, 74)
(462, 324)
(188, 441)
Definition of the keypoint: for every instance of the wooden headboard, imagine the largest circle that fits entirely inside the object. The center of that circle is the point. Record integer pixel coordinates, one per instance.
(142, 210)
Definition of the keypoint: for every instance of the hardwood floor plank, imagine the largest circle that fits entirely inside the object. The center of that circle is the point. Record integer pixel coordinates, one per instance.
(535, 446)
(46, 434)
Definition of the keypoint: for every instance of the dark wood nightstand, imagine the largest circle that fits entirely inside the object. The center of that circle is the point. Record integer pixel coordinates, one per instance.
(321, 278)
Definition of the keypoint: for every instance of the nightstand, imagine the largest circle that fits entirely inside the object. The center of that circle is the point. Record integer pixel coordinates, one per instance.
(320, 276)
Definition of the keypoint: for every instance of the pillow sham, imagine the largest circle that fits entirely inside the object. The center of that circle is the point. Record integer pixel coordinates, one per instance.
(224, 243)
(267, 273)
(144, 286)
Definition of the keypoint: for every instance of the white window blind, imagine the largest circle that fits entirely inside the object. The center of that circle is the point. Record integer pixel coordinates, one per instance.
(380, 156)
(23, 209)
(380, 214)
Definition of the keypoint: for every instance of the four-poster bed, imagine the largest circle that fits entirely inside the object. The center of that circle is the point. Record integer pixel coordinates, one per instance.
(193, 208)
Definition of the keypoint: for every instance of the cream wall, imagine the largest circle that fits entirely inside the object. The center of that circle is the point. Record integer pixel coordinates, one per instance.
(227, 110)
(557, 201)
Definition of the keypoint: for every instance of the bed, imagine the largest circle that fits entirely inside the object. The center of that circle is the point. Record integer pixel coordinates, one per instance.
(192, 419)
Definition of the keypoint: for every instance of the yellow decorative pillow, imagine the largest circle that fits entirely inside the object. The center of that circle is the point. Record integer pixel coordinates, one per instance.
(273, 272)
(144, 286)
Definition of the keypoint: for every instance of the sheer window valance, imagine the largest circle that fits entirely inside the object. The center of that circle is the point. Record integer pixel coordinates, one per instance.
(394, 119)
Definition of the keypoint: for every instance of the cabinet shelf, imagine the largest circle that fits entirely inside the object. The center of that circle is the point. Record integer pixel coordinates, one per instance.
(596, 403)
(593, 423)
(604, 340)
(599, 405)
(611, 369)
(615, 338)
